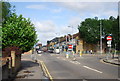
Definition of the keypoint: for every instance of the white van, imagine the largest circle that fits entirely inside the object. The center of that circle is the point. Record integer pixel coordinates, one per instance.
(57, 50)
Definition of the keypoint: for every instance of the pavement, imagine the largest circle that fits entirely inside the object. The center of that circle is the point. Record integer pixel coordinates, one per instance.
(114, 61)
(30, 70)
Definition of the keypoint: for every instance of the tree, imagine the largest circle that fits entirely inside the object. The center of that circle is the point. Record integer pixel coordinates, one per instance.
(89, 30)
(116, 33)
(18, 31)
(6, 10)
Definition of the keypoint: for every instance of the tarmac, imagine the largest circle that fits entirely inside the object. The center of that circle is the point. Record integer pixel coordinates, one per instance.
(114, 61)
(31, 70)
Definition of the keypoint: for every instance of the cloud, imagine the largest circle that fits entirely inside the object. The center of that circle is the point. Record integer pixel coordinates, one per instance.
(40, 7)
(57, 10)
(45, 30)
(90, 8)
(44, 26)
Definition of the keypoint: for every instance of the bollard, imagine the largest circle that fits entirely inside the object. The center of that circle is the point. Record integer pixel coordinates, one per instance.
(80, 53)
(67, 54)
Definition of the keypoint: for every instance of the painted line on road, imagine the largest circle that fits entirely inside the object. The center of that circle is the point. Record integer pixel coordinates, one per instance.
(47, 73)
(39, 54)
(92, 69)
(75, 62)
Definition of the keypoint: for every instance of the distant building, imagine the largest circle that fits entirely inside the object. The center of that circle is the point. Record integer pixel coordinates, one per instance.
(78, 43)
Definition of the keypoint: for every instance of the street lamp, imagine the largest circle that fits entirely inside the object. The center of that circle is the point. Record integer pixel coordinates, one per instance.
(72, 38)
(58, 40)
(72, 32)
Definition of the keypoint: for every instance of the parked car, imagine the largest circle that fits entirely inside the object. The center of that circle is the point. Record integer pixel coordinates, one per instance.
(51, 50)
(57, 51)
(39, 51)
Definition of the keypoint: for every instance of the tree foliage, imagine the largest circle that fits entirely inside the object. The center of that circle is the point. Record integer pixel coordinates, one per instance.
(7, 9)
(18, 31)
(90, 29)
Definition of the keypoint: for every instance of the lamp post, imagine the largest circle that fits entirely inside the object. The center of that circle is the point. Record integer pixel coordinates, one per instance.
(72, 32)
(72, 42)
(58, 40)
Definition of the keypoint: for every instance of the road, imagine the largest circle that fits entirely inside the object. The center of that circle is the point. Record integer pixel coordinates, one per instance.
(85, 67)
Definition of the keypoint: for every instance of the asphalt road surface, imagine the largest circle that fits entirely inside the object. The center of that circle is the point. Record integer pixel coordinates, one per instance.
(85, 67)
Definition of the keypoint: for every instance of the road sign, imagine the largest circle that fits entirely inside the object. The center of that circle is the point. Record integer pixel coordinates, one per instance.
(109, 45)
(70, 46)
(109, 38)
(109, 42)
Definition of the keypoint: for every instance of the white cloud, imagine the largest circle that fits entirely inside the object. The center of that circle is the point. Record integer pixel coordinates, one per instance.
(41, 7)
(90, 8)
(56, 10)
(45, 30)
(44, 26)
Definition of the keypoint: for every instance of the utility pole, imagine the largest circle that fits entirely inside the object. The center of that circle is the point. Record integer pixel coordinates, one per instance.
(100, 37)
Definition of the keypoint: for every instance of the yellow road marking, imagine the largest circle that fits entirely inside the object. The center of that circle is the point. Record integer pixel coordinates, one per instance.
(46, 70)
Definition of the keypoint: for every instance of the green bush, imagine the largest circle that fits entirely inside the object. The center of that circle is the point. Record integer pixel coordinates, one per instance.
(18, 31)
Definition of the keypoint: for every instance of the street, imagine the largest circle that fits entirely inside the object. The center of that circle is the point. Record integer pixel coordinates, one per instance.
(85, 67)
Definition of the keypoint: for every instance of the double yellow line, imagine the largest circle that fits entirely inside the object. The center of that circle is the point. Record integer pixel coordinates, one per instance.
(45, 70)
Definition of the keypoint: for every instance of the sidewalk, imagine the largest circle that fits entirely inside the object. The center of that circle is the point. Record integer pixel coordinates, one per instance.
(29, 70)
(114, 61)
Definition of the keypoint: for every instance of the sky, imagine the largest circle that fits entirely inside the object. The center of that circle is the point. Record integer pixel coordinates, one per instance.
(51, 19)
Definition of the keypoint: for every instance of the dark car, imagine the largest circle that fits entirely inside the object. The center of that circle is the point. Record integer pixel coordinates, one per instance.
(51, 50)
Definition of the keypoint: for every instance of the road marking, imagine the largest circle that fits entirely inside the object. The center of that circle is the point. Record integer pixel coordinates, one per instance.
(47, 73)
(52, 54)
(75, 62)
(40, 54)
(92, 69)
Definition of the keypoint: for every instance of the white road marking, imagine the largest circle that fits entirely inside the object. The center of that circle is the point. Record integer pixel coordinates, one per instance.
(75, 62)
(92, 69)
(40, 54)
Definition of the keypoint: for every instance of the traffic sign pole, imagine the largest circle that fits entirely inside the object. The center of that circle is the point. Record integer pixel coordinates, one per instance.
(109, 40)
